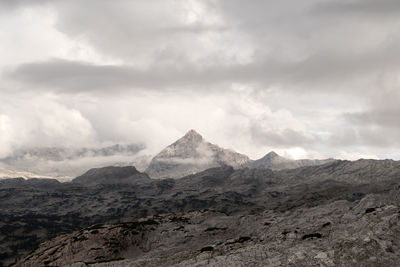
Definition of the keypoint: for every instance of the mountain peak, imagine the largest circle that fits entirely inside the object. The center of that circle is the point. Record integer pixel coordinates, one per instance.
(193, 136)
(271, 157)
(191, 154)
(271, 154)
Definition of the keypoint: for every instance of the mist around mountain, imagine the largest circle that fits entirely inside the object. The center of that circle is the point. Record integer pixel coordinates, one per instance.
(188, 155)
(66, 163)
(192, 153)
(7, 173)
(275, 162)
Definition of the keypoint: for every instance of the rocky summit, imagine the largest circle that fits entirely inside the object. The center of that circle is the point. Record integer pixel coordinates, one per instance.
(192, 154)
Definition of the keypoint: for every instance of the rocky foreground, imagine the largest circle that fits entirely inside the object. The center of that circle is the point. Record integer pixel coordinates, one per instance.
(341, 233)
(338, 214)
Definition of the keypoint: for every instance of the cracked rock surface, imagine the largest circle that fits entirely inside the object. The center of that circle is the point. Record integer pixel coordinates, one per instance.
(335, 214)
(341, 233)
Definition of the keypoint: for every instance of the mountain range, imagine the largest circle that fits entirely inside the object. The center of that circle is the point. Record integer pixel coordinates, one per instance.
(191, 154)
(188, 155)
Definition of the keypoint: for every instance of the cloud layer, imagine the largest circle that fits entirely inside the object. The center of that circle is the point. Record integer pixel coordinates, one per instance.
(309, 78)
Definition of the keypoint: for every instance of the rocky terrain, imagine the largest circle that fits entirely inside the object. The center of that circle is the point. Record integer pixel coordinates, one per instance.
(341, 233)
(326, 215)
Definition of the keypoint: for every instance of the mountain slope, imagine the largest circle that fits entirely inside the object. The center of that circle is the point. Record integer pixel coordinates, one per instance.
(192, 154)
(112, 175)
(275, 162)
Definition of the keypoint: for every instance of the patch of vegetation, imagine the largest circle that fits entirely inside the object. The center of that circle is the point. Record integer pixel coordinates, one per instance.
(389, 249)
(209, 248)
(80, 238)
(96, 227)
(313, 235)
(138, 225)
(149, 222)
(211, 229)
(243, 239)
(103, 261)
(326, 224)
(285, 232)
(240, 240)
(369, 210)
(179, 220)
(3, 256)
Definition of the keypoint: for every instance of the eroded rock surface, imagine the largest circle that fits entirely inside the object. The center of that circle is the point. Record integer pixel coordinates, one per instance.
(35, 211)
(341, 233)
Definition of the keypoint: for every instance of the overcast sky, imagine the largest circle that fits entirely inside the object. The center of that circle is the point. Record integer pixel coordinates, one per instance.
(310, 78)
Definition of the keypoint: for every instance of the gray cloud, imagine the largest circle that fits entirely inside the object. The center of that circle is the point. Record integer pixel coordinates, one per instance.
(10, 5)
(378, 125)
(331, 53)
(285, 138)
(384, 117)
(319, 69)
(72, 76)
(295, 56)
(379, 8)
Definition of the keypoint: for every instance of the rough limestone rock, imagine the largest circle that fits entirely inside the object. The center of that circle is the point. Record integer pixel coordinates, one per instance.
(341, 233)
(302, 215)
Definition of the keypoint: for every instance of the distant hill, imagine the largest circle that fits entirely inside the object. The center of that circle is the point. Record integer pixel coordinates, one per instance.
(275, 162)
(112, 175)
